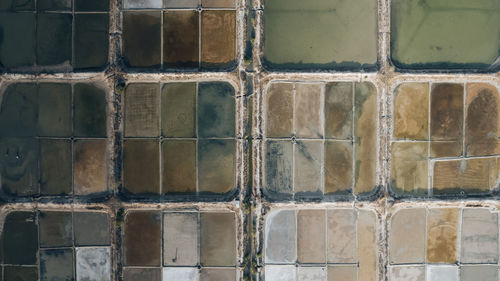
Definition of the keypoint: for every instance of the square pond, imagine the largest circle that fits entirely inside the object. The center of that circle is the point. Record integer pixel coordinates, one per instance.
(61, 252)
(183, 133)
(336, 35)
(53, 38)
(468, 37)
(319, 140)
(194, 38)
(188, 240)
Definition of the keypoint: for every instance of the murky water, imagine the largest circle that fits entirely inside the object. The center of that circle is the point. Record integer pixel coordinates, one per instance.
(53, 37)
(142, 39)
(54, 5)
(56, 264)
(217, 239)
(19, 168)
(56, 167)
(91, 40)
(20, 239)
(216, 110)
(56, 229)
(19, 104)
(181, 39)
(141, 166)
(445, 34)
(18, 5)
(179, 166)
(91, 5)
(90, 168)
(29, 165)
(89, 111)
(279, 167)
(54, 110)
(142, 245)
(320, 34)
(179, 110)
(17, 44)
(216, 165)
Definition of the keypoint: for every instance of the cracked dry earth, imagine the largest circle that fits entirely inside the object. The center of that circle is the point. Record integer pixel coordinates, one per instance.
(221, 140)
